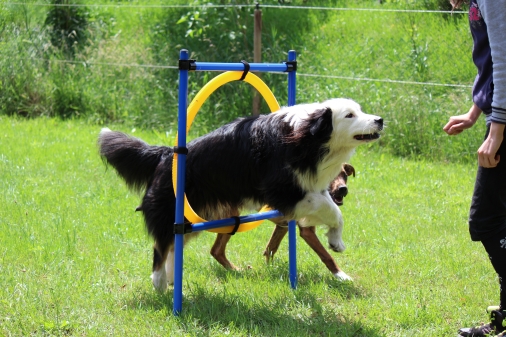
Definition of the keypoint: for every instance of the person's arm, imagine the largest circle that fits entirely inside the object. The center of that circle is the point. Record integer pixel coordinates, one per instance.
(457, 124)
(487, 153)
(494, 14)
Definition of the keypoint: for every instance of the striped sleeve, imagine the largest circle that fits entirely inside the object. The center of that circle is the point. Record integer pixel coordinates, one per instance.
(494, 14)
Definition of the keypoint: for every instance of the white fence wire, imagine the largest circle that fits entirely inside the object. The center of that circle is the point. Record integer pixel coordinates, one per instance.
(281, 7)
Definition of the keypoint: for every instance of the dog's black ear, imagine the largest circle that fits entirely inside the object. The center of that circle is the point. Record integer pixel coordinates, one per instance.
(350, 170)
(321, 123)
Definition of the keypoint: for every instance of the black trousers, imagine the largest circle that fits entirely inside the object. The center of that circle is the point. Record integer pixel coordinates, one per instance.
(496, 249)
(487, 216)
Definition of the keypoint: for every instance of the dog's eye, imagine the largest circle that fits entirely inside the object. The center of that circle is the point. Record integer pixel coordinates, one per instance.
(350, 115)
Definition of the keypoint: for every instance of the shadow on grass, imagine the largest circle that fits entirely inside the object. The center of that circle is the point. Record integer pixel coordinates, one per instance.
(273, 317)
(301, 313)
(266, 317)
(278, 273)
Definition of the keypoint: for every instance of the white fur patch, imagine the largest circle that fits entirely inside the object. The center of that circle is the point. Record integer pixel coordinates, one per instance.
(318, 208)
(169, 267)
(297, 113)
(334, 236)
(159, 278)
(342, 276)
(105, 130)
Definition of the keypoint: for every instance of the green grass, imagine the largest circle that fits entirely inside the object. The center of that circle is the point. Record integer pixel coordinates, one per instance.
(75, 259)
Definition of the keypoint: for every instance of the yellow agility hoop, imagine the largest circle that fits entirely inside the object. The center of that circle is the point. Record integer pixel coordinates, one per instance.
(194, 107)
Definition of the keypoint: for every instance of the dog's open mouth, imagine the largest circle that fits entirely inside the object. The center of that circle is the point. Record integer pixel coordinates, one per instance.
(370, 136)
(338, 200)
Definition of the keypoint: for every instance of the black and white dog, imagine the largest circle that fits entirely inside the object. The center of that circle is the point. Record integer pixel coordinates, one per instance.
(285, 160)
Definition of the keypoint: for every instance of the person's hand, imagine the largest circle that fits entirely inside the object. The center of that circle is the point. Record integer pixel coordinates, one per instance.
(457, 124)
(487, 153)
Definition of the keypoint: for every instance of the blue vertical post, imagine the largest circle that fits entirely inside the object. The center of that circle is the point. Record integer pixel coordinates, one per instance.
(292, 253)
(292, 225)
(181, 168)
(291, 79)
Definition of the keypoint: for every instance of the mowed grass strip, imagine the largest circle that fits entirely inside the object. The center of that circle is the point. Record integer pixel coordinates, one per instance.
(75, 258)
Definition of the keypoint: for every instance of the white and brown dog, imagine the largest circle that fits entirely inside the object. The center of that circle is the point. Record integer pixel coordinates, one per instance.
(338, 190)
(286, 160)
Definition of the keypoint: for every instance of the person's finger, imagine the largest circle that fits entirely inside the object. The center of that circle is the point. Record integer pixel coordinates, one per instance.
(455, 129)
(449, 125)
(487, 161)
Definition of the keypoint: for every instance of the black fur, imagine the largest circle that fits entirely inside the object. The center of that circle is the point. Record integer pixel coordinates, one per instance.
(134, 160)
(251, 158)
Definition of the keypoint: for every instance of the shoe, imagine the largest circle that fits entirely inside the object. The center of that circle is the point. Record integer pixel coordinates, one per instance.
(493, 329)
(477, 331)
(466, 330)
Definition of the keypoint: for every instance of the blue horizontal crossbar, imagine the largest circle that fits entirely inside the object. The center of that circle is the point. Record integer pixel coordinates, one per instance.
(202, 226)
(262, 67)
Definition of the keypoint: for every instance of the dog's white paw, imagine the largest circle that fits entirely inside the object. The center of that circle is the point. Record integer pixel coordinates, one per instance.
(337, 246)
(159, 279)
(335, 241)
(342, 276)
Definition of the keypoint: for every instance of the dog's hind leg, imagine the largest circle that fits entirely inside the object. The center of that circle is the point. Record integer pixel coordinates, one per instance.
(218, 251)
(277, 236)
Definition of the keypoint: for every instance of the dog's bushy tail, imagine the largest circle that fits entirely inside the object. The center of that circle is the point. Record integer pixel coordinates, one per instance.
(134, 160)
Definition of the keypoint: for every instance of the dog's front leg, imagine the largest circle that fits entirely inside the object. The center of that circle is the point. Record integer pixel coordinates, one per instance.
(317, 209)
(160, 280)
(159, 275)
(320, 209)
(334, 237)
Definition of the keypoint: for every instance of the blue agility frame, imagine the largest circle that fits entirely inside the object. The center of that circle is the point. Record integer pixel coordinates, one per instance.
(180, 228)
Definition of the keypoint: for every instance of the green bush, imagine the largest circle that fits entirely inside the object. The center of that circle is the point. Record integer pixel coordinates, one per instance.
(68, 27)
(99, 81)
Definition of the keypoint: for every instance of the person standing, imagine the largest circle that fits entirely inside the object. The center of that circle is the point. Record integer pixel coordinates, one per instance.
(487, 216)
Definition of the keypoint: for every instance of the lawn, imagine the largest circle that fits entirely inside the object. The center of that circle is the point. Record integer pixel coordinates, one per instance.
(75, 259)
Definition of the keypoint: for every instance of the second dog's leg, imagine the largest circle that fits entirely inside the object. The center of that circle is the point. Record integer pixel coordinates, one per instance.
(309, 235)
(218, 251)
(276, 238)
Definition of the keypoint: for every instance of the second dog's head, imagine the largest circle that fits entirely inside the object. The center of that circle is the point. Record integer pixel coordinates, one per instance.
(338, 188)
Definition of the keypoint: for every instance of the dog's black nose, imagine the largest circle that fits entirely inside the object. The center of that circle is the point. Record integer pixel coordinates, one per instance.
(379, 121)
(342, 191)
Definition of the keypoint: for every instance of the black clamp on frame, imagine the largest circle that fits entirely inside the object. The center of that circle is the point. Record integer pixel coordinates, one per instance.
(180, 150)
(291, 66)
(183, 228)
(245, 71)
(187, 65)
(236, 225)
